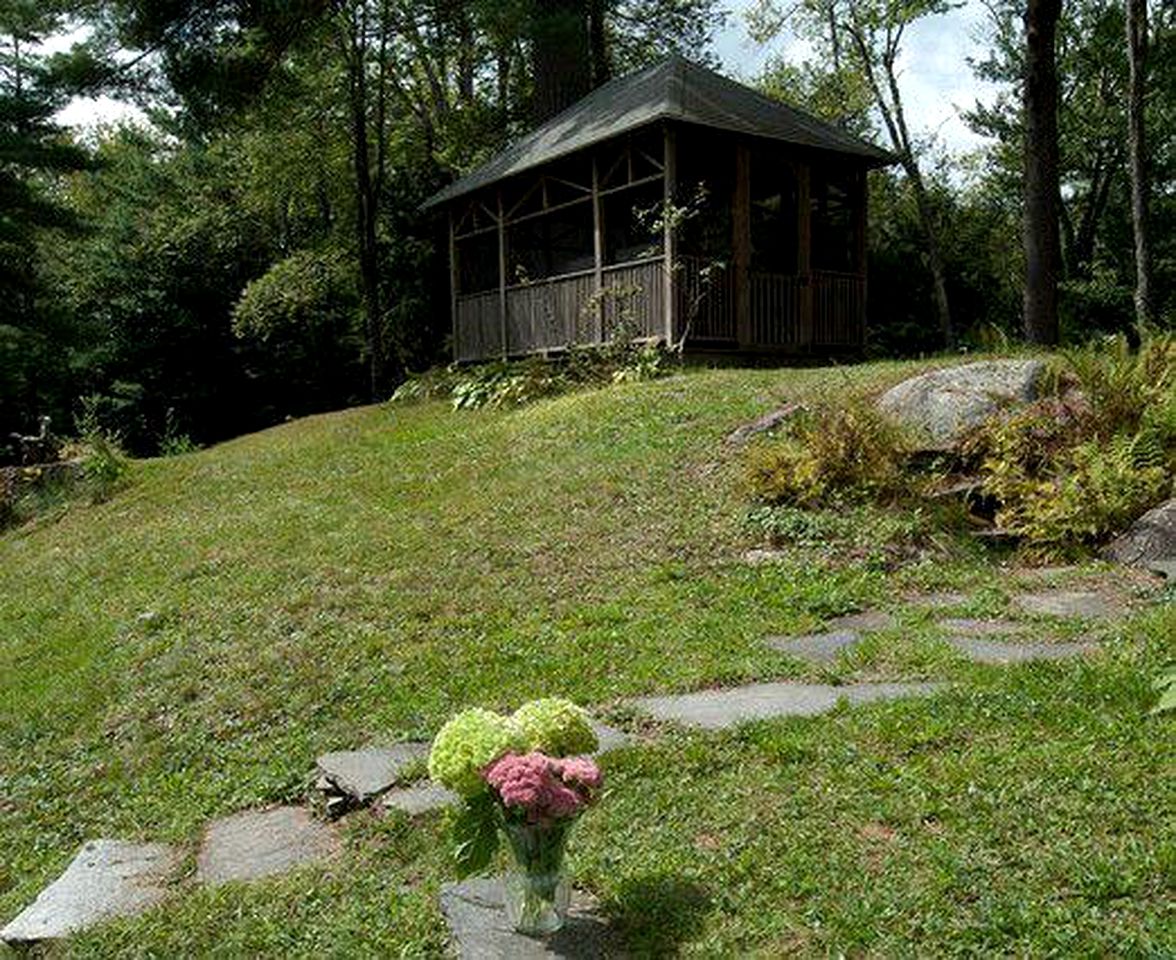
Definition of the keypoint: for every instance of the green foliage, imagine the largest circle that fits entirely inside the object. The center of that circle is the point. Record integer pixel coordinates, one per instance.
(1126, 389)
(1071, 470)
(1165, 685)
(473, 828)
(519, 382)
(840, 450)
(506, 385)
(306, 288)
(103, 463)
(1077, 498)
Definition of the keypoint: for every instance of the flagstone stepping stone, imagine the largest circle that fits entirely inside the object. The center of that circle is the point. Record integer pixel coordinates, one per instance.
(362, 775)
(480, 930)
(991, 651)
(419, 798)
(941, 601)
(1069, 603)
(817, 647)
(107, 879)
(609, 738)
(718, 709)
(864, 620)
(263, 843)
(970, 627)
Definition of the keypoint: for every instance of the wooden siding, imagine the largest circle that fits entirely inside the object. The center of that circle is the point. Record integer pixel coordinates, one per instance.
(477, 327)
(635, 289)
(549, 314)
(712, 303)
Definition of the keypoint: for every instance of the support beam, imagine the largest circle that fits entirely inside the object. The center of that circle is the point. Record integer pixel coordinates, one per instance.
(453, 284)
(861, 221)
(670, 238)
(804, 252)
(597, 255)
(502, 274)
(741, 245)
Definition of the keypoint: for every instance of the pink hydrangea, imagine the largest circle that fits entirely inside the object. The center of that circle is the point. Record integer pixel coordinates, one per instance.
(543, 787)
(581, 771)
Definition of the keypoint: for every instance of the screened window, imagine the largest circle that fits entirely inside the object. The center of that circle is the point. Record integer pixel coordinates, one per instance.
(629, 219)
(551, 244)
(773, 215)
(477, 263)
(834, 221)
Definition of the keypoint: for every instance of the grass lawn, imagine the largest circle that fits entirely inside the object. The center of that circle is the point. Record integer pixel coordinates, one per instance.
(186, 649)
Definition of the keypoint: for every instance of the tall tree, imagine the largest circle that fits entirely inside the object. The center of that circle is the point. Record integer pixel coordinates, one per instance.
(561, 62)
(865, 36)
(34, 153)
(1137, 51)
(1041, 172)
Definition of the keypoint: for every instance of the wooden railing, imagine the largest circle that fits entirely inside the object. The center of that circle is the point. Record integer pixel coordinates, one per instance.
(839, 309)
(706, 301)
(559, 312)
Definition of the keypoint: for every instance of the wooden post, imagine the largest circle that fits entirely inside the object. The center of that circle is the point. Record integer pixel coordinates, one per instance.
(861, 221)
(741, 245)
(669, 288)
(597, 255)
(804, 252)
(453, 286)
(502, 274)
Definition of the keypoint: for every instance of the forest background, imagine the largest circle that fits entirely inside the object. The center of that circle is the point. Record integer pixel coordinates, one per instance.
(253, 249)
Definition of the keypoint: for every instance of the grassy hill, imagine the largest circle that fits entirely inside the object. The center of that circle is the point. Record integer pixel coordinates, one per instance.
(187, 648)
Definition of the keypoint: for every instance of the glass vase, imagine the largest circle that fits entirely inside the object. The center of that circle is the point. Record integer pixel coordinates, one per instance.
(536, 888)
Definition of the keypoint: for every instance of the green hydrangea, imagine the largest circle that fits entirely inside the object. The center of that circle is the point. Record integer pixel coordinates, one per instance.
(556, 727)
(468, 743)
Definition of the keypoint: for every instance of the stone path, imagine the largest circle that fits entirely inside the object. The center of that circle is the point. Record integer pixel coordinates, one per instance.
(1084, 604)
(815, 647)
(480, 929)
(263, 843)
(108, 878)
(362, 775)
(993, 651)
(970, 627)
(718, 709)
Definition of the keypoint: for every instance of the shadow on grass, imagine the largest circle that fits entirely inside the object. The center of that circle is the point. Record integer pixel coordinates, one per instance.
(658, 914)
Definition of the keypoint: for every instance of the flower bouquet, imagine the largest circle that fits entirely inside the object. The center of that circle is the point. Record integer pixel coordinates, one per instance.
(524, 777)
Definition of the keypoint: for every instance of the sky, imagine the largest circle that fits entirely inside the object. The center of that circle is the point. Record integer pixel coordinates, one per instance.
(934, 75)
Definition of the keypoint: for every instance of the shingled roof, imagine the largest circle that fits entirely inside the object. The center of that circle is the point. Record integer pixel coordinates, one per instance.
(674, 89)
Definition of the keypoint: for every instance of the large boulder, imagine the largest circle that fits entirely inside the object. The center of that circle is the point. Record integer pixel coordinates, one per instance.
(1150, 542)
(944, 405)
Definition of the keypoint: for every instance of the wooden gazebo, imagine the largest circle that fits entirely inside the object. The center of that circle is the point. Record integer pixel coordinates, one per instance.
(562, 239)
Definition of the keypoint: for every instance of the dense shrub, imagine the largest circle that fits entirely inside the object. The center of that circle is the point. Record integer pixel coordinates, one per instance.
(519, 382)
(846, 451)
(1076, 468)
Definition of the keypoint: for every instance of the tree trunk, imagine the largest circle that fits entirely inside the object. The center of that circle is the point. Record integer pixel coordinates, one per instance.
(1137, 43)
(366, 198)
(1041, 172)
(598, 41)
(560, 57)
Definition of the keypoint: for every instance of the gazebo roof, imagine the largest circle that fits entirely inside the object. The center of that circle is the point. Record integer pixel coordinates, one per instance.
(674, 89)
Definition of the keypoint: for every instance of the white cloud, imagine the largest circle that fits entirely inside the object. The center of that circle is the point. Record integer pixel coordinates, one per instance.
(936, 81)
